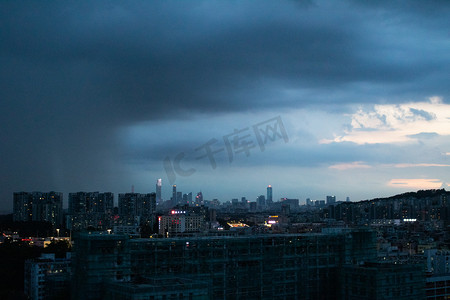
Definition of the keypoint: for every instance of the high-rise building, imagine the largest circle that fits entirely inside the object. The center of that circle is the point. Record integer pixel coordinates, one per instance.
(49, 208)
(261, 202)
(174, 195)
(269, 195)
(136, 209)
(179, 198)
(199, 199)
(38, 206)
(22, 206)
(91, 202)
(90, 209)
(244, 203)
(293, 203)
(187, 199)
(158, 190)
(331, 199)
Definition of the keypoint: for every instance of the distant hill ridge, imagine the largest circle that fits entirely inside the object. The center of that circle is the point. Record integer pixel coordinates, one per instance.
(421, 194)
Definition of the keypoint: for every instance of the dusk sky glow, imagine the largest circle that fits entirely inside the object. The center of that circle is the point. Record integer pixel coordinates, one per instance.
(96, 95)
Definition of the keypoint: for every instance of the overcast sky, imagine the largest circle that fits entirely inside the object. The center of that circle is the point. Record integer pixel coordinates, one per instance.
(316, 98)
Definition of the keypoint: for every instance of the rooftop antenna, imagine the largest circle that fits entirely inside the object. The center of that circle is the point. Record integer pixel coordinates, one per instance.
(132, 189)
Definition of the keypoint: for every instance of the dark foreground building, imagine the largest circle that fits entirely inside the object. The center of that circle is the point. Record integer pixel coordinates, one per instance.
(378, 281)
(47, 277)
(290, 266)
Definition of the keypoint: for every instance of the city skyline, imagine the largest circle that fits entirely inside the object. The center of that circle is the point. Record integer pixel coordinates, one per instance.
(66, 200)
(314, 98)
(182, 196)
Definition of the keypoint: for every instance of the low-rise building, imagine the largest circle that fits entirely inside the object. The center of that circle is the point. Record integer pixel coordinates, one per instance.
(180, 222)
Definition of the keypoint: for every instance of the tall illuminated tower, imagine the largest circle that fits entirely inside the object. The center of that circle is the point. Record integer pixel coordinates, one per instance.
(269, 195)
(158, 191)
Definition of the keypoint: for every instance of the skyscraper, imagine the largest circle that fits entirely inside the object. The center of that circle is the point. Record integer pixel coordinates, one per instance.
(261, 202)
(158, 190)
(244, 202)
(174, 195)
(179, 198)
(269, 195)
(331, 199)
(199, 199)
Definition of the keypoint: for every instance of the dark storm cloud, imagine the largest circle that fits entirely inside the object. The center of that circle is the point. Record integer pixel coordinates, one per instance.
(72, 73)
(145, 60)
